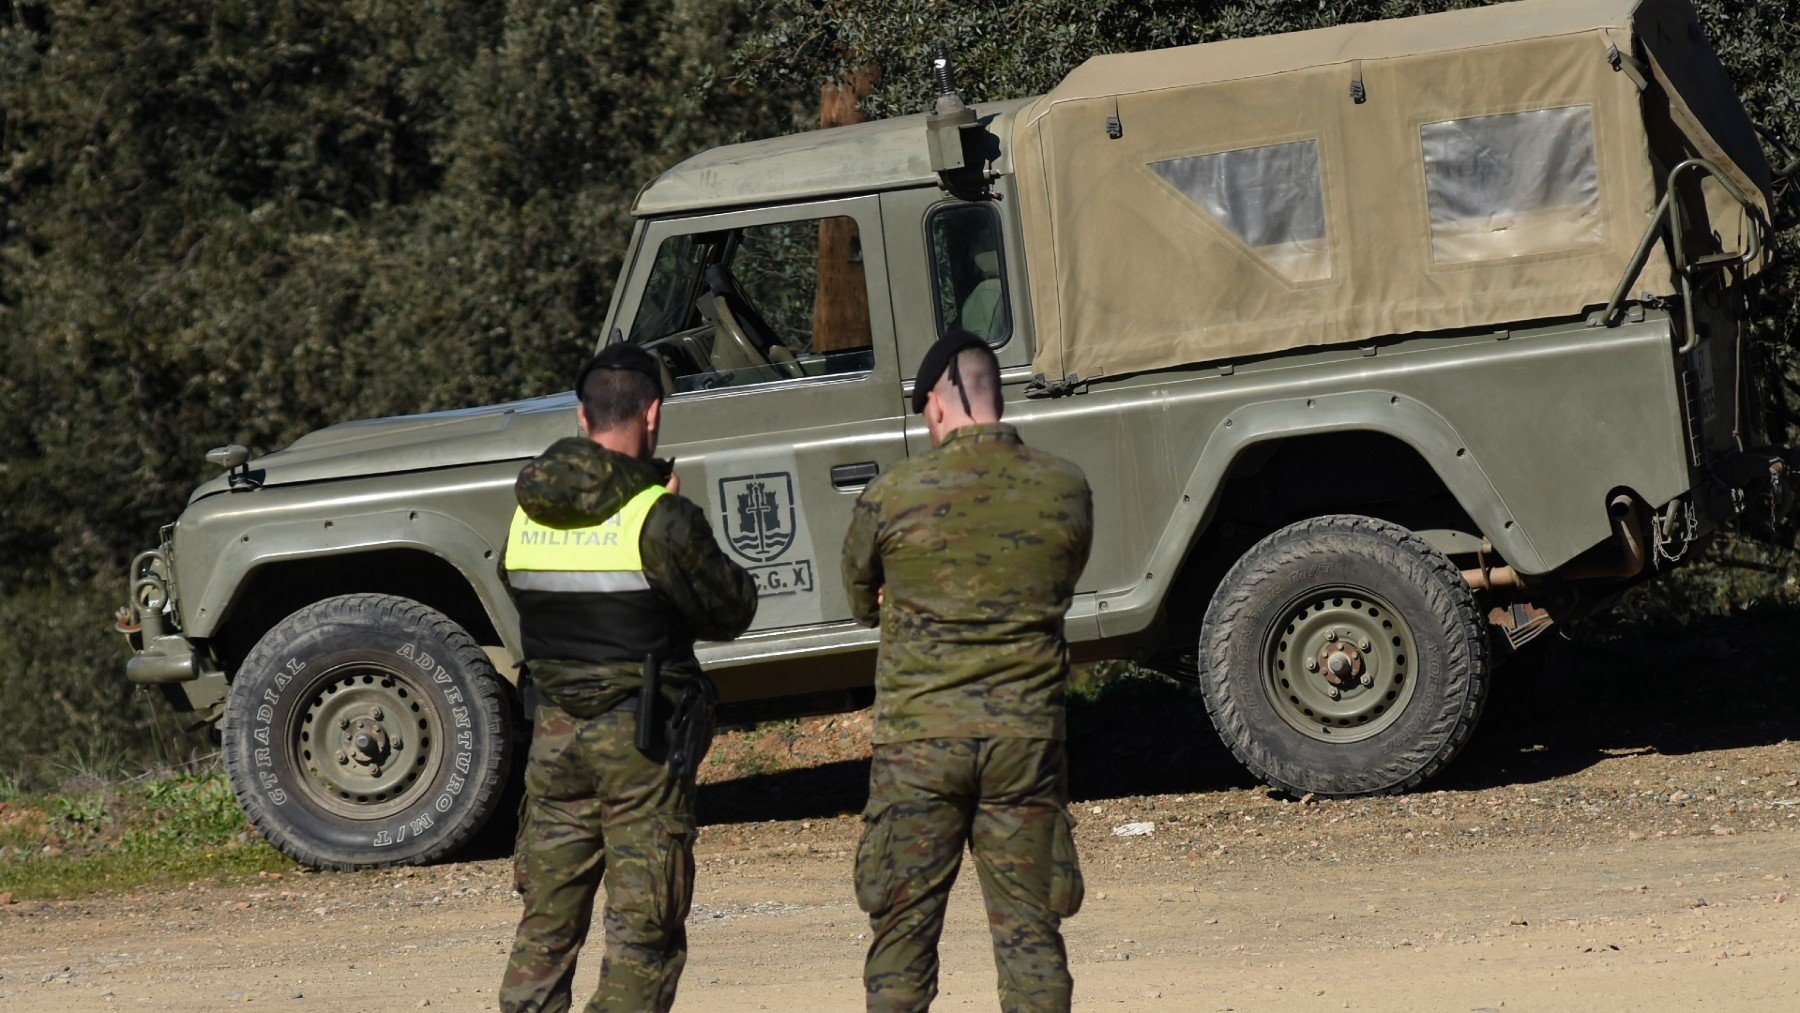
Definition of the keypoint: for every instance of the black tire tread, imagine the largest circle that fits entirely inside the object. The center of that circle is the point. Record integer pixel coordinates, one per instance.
(1450, 597)
(358, 609)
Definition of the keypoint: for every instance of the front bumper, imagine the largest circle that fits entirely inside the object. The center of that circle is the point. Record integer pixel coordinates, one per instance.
(161, 655)
(164, 661)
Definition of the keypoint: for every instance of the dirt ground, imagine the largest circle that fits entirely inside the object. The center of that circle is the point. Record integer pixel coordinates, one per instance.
(1637, 856)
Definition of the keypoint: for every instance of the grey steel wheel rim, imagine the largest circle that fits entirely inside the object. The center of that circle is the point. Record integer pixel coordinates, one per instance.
(1339, 664)
(366, 743)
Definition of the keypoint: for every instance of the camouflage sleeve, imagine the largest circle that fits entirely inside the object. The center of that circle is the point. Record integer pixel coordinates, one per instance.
(716, 596)
(862, 558)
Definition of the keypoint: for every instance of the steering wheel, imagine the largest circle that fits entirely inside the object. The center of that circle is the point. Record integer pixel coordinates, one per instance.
(733, 329)
(729, 326)
(734, 314)
(669, 357)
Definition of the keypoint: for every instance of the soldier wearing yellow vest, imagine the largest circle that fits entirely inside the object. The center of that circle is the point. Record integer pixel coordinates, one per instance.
(610, 567)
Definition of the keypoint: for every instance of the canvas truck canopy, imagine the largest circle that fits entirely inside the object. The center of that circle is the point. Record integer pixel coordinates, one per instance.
(1450, 171)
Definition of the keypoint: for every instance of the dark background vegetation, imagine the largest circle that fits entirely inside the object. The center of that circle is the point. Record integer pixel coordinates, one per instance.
(239, 220)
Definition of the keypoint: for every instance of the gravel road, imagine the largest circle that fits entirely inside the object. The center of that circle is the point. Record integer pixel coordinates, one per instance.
(1602, 859)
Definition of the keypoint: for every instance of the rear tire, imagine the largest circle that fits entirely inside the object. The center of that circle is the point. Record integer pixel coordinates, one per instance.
(368, 730)
(1341, 656)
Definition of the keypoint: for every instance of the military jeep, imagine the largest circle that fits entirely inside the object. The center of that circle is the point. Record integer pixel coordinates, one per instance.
(1384, 347)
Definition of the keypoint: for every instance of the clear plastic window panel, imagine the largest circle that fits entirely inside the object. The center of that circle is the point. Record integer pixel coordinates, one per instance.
(1513, 185)
(968, 273)
(1271, 197)
(785, 301)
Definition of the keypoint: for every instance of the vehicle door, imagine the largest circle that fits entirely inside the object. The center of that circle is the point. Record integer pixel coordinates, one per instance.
(776, 334)
(959, 265)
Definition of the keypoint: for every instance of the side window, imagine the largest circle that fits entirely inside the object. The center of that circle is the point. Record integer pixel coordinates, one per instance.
(760, 304)
(1512, 185)
(1272, 198)
(968, 271)
(669, 296)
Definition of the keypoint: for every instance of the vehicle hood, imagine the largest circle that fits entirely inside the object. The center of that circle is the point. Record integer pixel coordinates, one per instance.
(517, 430)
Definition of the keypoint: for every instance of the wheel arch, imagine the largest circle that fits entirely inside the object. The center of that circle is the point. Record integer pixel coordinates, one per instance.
(274, 588)
(1405, 432)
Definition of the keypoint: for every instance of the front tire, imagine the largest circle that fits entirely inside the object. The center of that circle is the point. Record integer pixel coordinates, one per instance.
(1341, 656)
(368, 730)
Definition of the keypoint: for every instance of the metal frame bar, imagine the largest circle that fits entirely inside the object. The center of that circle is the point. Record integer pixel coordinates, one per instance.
(1684, 271)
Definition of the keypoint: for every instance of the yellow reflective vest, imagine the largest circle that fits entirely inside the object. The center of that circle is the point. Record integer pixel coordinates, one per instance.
(583, 593)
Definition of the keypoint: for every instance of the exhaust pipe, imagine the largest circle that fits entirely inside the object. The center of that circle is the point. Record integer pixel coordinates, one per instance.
(1624, 557)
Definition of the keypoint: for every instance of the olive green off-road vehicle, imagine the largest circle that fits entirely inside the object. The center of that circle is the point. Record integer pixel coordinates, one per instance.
(1384, 348)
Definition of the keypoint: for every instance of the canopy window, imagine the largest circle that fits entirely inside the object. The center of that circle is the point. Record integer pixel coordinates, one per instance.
(1513, 185)
(1269, 197)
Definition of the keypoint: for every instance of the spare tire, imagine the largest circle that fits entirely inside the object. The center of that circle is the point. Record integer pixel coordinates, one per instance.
(368, 730)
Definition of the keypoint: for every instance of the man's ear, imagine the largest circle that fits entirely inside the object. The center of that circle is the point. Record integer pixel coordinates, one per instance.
(653, 415)
(934, 408)
(581, 418)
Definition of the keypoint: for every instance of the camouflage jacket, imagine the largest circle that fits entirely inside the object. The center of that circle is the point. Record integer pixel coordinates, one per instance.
(577, 483)
(975, 548)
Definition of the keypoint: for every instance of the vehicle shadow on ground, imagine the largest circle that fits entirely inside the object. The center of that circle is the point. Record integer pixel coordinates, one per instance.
(1141, 735)
(815, 792)
(1722, 683)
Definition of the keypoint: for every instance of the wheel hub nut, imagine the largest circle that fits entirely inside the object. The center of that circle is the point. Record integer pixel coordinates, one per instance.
(1342, 663)
(368, 742)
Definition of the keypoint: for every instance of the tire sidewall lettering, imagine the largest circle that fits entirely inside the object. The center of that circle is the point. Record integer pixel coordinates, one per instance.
(469, 749)
(417, 819)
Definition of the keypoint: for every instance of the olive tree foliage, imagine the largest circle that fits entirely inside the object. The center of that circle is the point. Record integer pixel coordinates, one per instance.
(232, 221)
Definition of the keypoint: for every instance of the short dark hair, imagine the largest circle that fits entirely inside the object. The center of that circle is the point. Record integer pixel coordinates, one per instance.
(978, 369)
(612, 393)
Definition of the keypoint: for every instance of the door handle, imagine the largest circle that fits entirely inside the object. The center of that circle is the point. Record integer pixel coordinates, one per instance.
(849, 476)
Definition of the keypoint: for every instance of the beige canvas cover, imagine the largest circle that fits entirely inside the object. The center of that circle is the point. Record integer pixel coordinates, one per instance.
(1499, 168)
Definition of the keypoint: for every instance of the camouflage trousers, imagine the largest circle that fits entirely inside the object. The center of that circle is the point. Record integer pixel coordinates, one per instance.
(1005, 800)
(596, 808)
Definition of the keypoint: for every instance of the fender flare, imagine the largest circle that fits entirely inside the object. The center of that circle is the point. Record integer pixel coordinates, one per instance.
(431, 532)
(1375, 411)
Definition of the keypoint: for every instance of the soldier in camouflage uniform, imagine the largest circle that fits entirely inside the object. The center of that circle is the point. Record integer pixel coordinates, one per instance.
(967, 556)
(610, 568)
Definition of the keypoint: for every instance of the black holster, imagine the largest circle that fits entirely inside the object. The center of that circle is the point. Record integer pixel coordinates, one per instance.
(678, 735)
(689, 730)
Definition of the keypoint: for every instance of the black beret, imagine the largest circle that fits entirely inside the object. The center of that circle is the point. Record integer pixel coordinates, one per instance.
(622, 356)
(937, 359)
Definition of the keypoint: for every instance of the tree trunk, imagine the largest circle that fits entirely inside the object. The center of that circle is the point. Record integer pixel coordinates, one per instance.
(841, 300)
